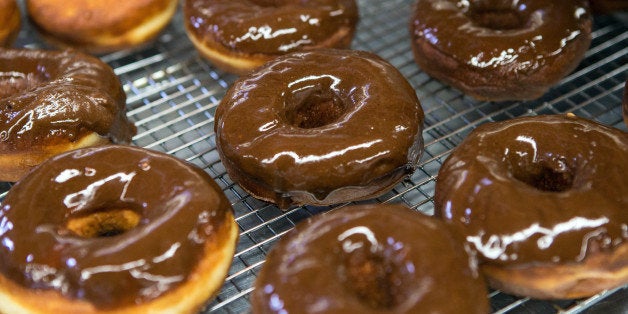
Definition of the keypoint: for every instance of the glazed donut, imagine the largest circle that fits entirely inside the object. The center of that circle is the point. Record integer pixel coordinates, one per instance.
(320, 127)
(543, 202)
(52, 101)
(114, 229)
(240, 35)
(369, 259)
(500, 49)
(10, 21)
(98, 26)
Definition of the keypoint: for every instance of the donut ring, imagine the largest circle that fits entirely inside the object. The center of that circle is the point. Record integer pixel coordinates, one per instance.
(500, 49)
(240, 35)
(10, 21)
(369, 259)
(53, 101)
(316, 128)
(117, 229)
(100, 26)
(543, 202)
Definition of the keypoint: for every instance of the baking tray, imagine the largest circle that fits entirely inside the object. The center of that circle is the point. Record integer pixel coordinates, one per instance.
(173, 93)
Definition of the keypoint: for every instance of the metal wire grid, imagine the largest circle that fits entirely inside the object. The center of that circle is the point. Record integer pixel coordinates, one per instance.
(173, 93)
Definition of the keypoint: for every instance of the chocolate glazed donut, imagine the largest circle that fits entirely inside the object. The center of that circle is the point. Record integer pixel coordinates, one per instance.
(320, 127)
(240, 35)
(500, 49)
(114, 229)
(543, 200)
(54, 101)
(369, 259)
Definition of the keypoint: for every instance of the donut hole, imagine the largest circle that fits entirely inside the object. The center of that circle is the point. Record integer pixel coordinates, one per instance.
(14, 83)
(496, 18)
(314, 108)
(104, 223)
(545, 178)
(374, 279)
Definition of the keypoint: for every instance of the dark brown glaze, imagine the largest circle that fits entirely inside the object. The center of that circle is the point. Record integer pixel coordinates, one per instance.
(178, 205)
(49, 97)
(272, 27)
(320, 127)
(10, 21)
(544, 190)
(500, 49)
(369, 259)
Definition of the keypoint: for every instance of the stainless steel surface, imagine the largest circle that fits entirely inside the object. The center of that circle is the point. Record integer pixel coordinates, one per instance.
(173, 93)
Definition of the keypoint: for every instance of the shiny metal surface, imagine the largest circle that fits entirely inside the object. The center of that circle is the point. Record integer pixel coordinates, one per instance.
(173, 94)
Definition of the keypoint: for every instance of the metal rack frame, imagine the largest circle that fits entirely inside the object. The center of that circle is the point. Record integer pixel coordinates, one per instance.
(173, 93)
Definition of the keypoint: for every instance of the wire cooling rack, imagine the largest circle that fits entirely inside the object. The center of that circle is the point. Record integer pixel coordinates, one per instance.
(173, 94)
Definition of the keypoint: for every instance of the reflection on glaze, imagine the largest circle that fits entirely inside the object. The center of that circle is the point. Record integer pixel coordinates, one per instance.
(136, 264)
(284, 26)
(342, 261)
(529, 140)
(312, 81)
(360, 129)
(318, 158)
(349, 246)
(46, 96)
(495, 246)
(535, 189)
(84, 198)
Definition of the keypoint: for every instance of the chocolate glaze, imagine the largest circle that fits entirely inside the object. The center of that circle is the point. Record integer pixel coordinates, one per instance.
(269, 26)
(546, 189)
(482, 47)
(47, 97)
(320, 127)
(179, 205)
(369, 259)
